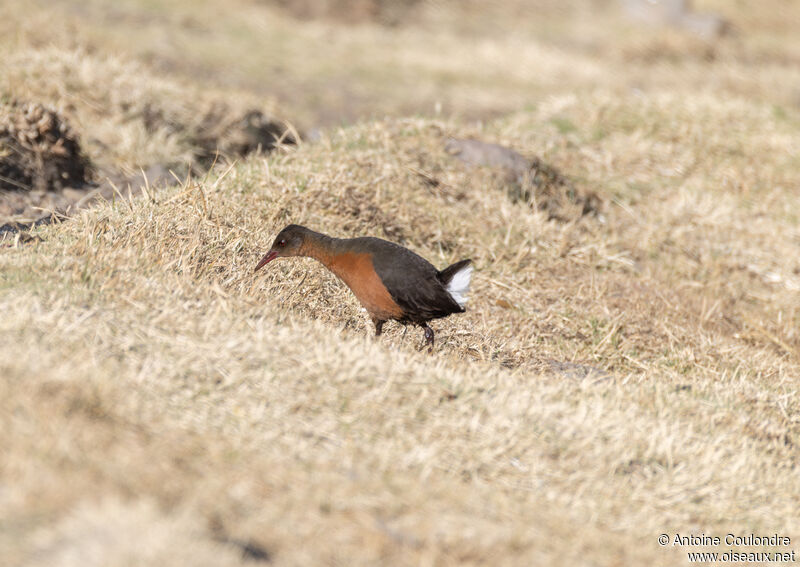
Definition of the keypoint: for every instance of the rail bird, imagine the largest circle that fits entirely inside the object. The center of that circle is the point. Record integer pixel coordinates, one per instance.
(390, 281)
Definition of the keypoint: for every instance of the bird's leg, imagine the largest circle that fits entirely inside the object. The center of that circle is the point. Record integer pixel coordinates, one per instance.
(378, 326)
(428, 336)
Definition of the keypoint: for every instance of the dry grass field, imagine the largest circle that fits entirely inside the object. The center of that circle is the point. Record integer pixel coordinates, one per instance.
(617, 375)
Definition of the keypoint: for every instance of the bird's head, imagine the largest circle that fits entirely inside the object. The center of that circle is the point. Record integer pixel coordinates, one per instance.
(289, 242)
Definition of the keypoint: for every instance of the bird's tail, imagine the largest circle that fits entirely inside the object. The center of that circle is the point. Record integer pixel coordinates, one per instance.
(456, 279)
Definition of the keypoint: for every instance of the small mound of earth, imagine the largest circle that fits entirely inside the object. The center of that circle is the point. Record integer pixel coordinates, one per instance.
(529, 180)
(39, 151)
(219, 134)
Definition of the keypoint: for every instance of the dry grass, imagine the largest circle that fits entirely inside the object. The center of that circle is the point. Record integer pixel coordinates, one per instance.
(130, 117)
(468, 59)
(155, 391)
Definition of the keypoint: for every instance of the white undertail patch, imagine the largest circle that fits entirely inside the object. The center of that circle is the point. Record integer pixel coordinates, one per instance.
(459, 285)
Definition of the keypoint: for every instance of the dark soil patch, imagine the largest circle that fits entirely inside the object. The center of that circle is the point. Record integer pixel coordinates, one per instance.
(38, 150)
(220, 133)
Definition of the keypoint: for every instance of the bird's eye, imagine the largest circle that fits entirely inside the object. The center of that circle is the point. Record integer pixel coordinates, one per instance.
(282, 243)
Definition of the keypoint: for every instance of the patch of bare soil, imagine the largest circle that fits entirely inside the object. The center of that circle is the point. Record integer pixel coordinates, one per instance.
(39, 150)
(221, 132)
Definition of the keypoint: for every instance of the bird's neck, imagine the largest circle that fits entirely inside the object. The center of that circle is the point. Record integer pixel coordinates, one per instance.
(321, 247)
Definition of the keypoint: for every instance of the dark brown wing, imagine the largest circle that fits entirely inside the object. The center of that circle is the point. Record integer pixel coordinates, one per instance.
(412, 281)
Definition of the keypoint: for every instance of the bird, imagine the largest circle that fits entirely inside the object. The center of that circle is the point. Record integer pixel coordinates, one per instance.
(390, 281)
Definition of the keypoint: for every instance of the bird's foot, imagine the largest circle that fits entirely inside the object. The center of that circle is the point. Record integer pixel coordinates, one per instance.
(428, 338)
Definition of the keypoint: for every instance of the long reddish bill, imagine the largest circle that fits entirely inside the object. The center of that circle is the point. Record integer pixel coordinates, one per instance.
(271, 255)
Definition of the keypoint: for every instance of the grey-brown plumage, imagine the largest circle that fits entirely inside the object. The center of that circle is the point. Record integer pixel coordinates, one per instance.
(390, 281)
